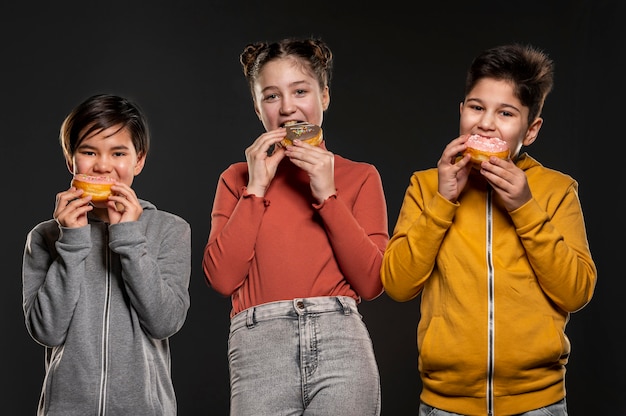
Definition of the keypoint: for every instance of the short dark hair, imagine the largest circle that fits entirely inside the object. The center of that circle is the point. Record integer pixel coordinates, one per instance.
(529, 69)
(100, 112)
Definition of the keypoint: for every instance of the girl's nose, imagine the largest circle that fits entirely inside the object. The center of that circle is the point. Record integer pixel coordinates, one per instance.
(287, 107)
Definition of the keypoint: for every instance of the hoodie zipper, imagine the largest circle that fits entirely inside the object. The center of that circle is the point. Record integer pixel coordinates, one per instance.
(104, 372)
(490, 304)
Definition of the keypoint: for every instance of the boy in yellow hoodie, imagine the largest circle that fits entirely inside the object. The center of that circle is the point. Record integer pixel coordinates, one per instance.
(497, 250)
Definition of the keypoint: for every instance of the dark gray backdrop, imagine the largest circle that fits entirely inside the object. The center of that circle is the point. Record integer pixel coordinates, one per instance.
(397, 85)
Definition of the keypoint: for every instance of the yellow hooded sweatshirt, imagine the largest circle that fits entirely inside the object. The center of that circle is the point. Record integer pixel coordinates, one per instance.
(497, 289)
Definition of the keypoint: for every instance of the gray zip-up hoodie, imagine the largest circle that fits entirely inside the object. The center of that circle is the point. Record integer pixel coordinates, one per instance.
(104, 299)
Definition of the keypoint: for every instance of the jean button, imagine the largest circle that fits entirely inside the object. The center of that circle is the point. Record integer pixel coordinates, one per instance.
(300, 304)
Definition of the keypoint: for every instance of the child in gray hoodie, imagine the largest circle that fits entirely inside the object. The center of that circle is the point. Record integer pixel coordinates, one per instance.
(105, 284)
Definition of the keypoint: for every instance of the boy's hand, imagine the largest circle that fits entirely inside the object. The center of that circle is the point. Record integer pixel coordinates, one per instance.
(453, 170)
(70, 209)
(508, 181)
(123, 204)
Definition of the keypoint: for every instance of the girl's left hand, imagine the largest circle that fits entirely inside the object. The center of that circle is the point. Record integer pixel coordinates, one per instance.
(318, 163)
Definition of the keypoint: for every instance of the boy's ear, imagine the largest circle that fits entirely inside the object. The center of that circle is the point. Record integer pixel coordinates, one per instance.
(70, 165)
(141, 162)
(532, 132)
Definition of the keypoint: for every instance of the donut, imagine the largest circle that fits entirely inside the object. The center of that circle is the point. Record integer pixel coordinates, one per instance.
(481, 148)
(305, 131)
(99, 187)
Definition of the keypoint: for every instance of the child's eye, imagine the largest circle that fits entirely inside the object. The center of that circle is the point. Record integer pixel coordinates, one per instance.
(476, 107)
(270, 97)
(119, 154)
(301, 92)
(87, 153)
(507, 114)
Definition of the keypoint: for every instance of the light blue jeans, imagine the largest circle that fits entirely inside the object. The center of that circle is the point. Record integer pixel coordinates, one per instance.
(556, 409)
(307, 356)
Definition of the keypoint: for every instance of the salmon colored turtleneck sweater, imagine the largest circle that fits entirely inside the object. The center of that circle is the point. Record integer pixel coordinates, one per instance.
(285, 246)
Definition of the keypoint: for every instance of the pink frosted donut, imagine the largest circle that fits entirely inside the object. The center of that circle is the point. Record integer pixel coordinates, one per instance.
(481, 148)
(99, 187)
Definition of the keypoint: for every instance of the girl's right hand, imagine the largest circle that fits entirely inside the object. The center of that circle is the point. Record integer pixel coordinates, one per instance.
(71, 209)
(262, 166)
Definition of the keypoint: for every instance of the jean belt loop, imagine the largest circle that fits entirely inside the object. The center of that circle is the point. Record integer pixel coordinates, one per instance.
(344, 305)
(250, 317)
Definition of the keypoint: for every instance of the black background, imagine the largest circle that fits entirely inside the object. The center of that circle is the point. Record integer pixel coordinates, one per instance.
(398, 80)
